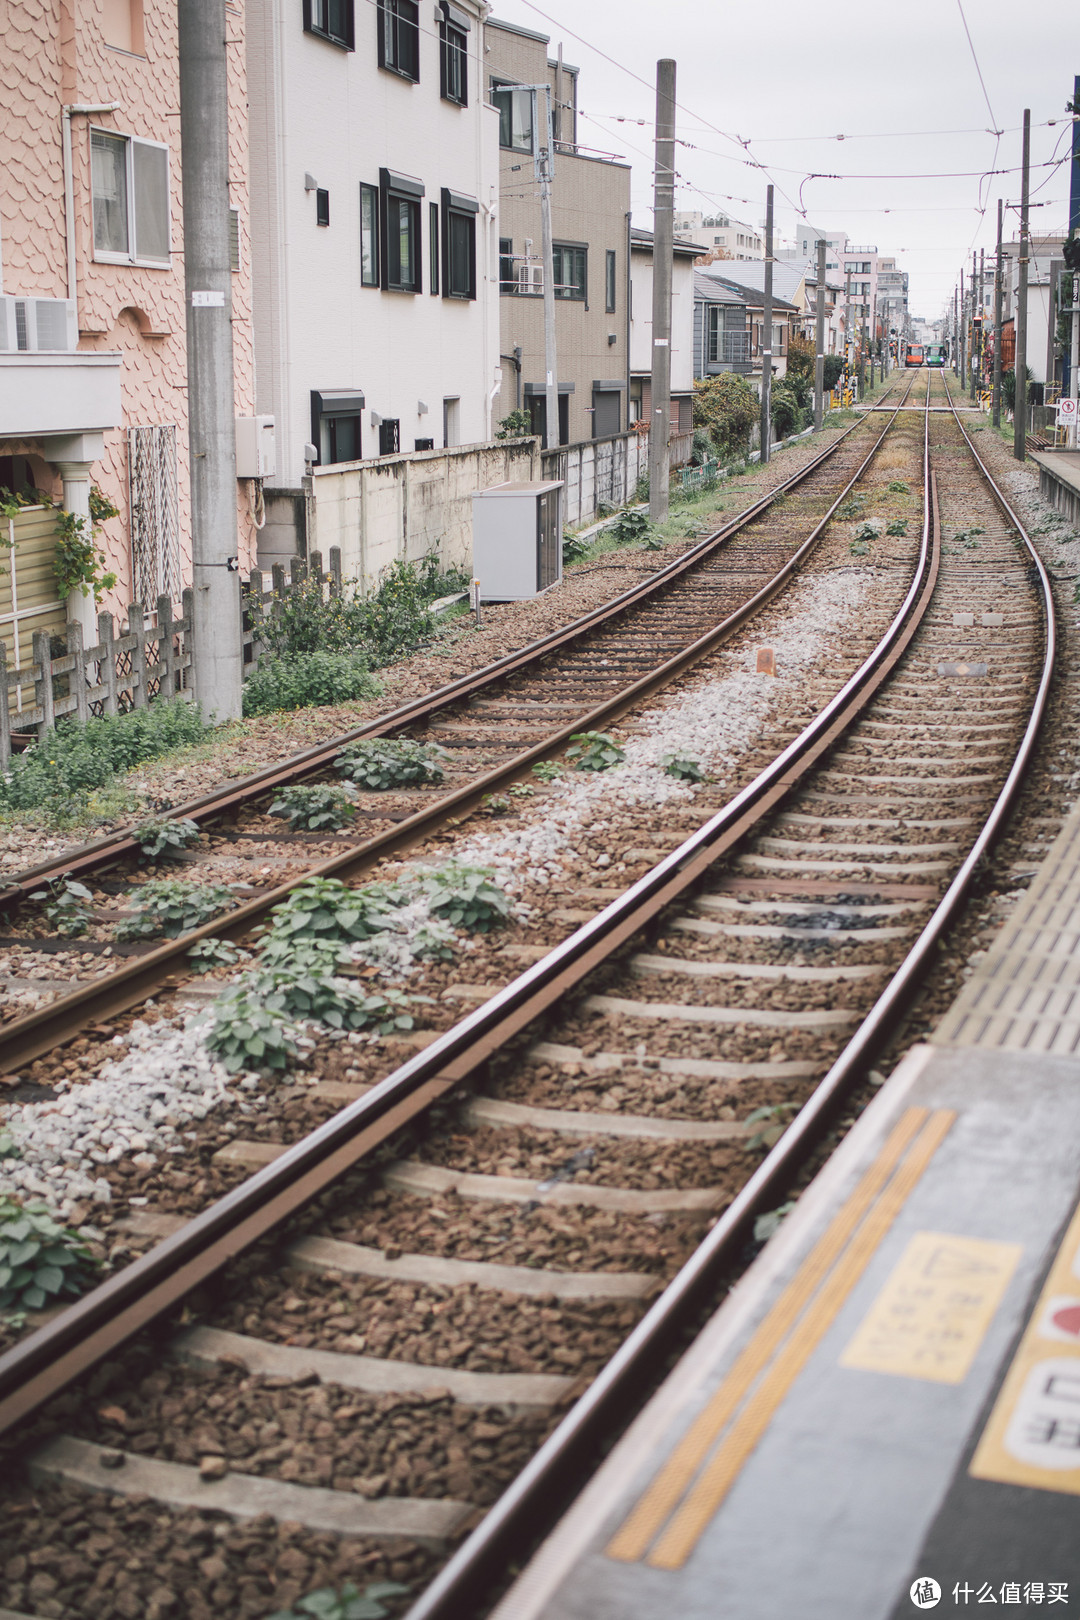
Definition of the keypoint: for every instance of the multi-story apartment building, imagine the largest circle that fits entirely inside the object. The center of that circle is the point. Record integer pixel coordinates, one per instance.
(374, 190)
(93, 367)
(682, 331)
(721, 235)
(590, 212)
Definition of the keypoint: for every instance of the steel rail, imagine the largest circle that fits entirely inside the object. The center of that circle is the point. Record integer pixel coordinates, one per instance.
(105, 1318)
(27, 1038)
(114, 846)
(553, 1476)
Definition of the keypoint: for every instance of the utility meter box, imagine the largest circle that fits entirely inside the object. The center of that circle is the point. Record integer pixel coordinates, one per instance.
(256, 447)
(517, 539)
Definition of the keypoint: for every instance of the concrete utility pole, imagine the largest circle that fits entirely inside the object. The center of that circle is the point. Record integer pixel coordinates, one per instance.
(849, 353)
(1020, 363)
(663, 237)
(976, 311)
(963, 334)
(998, 288)
(204, 149)
(819, 340)
(766, 333)
(955, 357)
(1074, 227)
(543, 164)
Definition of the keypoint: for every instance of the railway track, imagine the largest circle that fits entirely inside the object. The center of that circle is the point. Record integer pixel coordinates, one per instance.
(491, 728)
(502, 1252)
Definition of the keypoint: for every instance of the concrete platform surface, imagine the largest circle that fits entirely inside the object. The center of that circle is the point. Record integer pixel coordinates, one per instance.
(884, 1414)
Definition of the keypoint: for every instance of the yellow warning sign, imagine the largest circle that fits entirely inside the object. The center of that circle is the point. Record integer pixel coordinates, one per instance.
(932, 1315)
(1033, 1436)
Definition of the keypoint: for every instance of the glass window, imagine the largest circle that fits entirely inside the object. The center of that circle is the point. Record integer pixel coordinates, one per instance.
(453, 63)
(461, 256)
(609, 280)
(322, 207)
(389, 436)
(507, 270)
(570, 267)
(402, 243)
(515, 117)
(369, 236)
(330, 19)
(433, 247)
(129, 185)
(399, 38)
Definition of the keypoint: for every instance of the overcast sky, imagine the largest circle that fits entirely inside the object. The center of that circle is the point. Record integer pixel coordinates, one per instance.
(898, 81)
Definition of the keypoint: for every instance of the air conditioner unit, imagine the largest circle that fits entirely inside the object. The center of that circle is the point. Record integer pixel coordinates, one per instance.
(530, 278)
(256, 447)
(47, 325)
(8, 339)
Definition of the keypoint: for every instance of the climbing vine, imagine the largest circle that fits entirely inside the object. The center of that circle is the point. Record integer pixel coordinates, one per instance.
(77, 562)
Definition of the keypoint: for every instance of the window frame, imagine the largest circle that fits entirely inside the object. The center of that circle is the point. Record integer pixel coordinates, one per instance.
(434, 238)
(109, 255)
(349, 406)
(453, 45)
(558, 269)
(457, 207)
(496, 87)
(611, 280)
(507, 283)
(397, 188)
(395, 27)
(322, 206)
(390, 428)
(373, 276)
(345, 41)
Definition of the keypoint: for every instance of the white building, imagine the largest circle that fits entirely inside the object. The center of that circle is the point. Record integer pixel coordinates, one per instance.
(682, 331)
(713, 231)
(374, 183)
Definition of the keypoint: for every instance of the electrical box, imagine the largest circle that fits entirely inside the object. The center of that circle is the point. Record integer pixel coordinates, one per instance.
(256, 447)
(517, 539)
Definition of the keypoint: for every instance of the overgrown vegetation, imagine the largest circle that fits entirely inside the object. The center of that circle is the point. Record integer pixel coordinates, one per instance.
(307, 681)
(315, 809)
(515, 425)
(727, 408)
(327, 909)
(466, 896)
(250, 1029)
(67, 764)
(381, 763)
(40, 1259)
(170, 906)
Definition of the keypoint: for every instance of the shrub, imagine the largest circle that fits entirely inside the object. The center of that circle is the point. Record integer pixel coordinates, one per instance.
(160, 840)
(391, 621)
(324, 805)
(703, 448)
(308, 681)
(727, 408)
(171, 906)
(383, 763)
(834, 370)
(68, 763)
(66, 905)
(466, 896)
(40, 1259)
(785, 408)
(514, 426)
(800, 359)
(249, 1029)
(594, 751)
(630, 526)
(327, 909)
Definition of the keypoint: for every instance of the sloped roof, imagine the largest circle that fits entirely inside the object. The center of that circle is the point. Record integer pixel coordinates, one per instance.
(644, 239)
(748, 275)
(711, 291)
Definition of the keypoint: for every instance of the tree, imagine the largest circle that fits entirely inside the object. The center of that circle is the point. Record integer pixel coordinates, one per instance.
(727, 407)
(834, 370)
(800, 357)
(515, 426)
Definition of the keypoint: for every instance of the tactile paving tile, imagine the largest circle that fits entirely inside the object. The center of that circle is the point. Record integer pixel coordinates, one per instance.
(1024, 995)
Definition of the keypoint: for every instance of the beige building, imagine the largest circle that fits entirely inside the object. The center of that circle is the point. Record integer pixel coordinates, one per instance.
(720, 235)
(590, 226)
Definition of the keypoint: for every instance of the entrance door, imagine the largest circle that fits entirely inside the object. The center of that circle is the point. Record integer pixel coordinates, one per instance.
(606, 415)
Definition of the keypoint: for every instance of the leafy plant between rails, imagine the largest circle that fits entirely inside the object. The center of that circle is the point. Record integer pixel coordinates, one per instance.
(594, 751)
(771, 1134)
(170, 906)
(326, 909)
(466, 896)
(40, 1259)
(898, 526)
(548, 770)
(161, 840)
(66, 905)
(249, 1028)
(381, 763)
(314, 808)
(683, 769)
(311, 991)
(766, 1224)
(897, 487)
(344, 1603)
(210, 953)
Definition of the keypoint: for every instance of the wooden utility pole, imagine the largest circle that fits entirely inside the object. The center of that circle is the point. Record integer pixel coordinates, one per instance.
(766, 333)
(819, 345)
(998, 288)
(963, 334)
(1020, 361)
(663, 237)
(544, 168)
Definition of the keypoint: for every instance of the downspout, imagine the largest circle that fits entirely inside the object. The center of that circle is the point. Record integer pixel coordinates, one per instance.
(66, 115)
(626, 319)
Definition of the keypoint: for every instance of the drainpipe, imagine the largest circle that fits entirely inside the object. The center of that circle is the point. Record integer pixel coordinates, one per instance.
(66, 115)
(515, 361)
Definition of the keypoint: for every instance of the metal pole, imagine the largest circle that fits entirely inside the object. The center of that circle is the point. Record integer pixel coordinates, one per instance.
(544, 168)
(663, 228)
(819, 343)
(1020, 364)
(766, 333)
(998, 289)
(204, 150)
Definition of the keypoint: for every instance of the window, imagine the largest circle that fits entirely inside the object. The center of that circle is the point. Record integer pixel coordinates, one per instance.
(423, 444)
(336, 424)
(433, 247)
(571, 271)
(322, 208)
(389, 436)
(129, 183)
(330, 19)
(234, 238)
(453, 55)
(400, 231)
(399, 38)
(369, 236)
(515, 116)
(507, 270)
(459, 244)
(122, 26)
(609, 280)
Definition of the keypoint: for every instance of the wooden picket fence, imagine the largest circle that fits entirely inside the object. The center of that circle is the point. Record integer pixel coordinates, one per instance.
(135, 664)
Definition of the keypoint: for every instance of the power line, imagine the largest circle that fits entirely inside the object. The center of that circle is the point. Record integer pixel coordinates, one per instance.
(978, 69)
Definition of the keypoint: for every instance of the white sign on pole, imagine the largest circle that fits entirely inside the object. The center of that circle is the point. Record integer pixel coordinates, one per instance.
(1066, 412)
